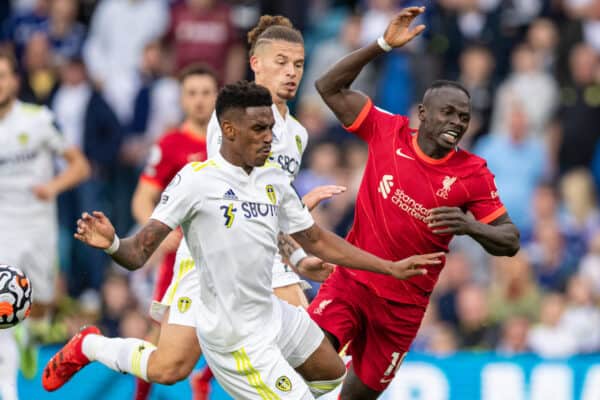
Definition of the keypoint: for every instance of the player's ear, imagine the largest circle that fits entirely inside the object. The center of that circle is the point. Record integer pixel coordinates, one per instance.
(421, 112)
(228, 129)
(254, 63)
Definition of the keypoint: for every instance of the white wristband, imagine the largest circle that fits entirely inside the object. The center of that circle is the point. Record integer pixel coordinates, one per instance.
(112, 249)
(383, 44)
(297, 256)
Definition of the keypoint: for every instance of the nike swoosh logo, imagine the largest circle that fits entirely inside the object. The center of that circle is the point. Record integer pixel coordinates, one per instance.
(386, 380)
(401, 154)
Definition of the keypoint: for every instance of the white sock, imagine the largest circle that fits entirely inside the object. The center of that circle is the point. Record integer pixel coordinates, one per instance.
(122, 355)
(9, 366)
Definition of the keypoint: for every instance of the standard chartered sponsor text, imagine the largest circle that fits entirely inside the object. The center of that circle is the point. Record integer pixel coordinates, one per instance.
(409, 205)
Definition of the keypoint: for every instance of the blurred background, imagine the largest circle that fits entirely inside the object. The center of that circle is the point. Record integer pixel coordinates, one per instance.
(533, 70)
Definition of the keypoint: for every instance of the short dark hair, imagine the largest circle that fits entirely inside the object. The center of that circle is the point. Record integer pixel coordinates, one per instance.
(198, 69)
(273, 27)
(10, 57)
(242, 94)
(442, 83)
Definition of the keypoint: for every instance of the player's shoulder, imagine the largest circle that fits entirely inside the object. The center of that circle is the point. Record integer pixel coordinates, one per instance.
(31, 110)
(469, 163)
(197, 174)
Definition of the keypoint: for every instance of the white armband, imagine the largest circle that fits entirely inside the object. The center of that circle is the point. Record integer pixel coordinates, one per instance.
(297, 256)
(112, 249)
(383, 44)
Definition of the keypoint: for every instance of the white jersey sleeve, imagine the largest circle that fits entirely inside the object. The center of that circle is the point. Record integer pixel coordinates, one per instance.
(55, 140)
(180, 200)
(294, 215)
(213, 136)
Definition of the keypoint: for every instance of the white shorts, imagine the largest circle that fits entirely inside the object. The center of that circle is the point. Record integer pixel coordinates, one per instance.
(184, 264)
(265, 368)
(35, 254)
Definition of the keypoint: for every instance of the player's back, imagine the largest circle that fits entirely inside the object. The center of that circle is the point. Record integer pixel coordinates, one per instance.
(29, 141)
(400, 186)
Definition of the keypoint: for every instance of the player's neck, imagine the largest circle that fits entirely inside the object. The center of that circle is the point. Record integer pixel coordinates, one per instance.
(6, 107)
(430, 148)
(281, 106)
(194, 128)
(234, 159)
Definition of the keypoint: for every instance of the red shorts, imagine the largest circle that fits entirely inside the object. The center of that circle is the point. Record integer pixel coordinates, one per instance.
(164, 275)
(379, 331)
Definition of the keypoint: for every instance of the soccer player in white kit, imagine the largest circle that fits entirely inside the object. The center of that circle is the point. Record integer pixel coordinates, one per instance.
(231, 208)
(29, 143)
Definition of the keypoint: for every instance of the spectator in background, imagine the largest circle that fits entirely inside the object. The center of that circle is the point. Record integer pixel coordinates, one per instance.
(526, 81)
(38, 75)
(550, 338)
(542, 36)
(476, 70)
(118, 33)
(65, 33)
(589, 268)
(513, 289)
(549, 256)
(90, 124)
(22, 25)
(327, 53)
(518, 159)
(581, 317)
(513, 338)
(576, 131)
(475, 329)
(443, 341)
(456, 274)
(116, 301)
(203, 31)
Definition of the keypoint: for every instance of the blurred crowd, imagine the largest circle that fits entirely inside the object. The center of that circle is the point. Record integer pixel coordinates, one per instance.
(107, 68)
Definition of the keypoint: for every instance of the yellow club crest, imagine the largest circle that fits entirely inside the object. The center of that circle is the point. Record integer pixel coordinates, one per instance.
(271, 194)
(299, 144)
(184, 304)
(23, 138)
(284, 384)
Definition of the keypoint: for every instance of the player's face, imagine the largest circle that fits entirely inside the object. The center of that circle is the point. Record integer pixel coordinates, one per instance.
(279, 65)
(198, 96)
(254, 136)
(445, 116)
(8, 83)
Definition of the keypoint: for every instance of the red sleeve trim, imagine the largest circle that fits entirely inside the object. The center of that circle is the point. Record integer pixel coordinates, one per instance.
(493, 216)
(362, 115)
(152, 181)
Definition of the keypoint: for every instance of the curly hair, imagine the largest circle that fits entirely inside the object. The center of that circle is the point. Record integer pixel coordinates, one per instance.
(273, 27)
(242, 94)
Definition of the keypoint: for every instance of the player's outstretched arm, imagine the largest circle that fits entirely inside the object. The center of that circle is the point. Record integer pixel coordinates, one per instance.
(332, 248)
(97, 231)
(499, 238)
(334, 85)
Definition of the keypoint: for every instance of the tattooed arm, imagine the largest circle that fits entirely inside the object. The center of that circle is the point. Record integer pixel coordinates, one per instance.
(287, 245)
(96, 230)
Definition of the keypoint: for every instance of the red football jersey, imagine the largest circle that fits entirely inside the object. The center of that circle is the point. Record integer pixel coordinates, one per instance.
(171, 153)
(399, 187)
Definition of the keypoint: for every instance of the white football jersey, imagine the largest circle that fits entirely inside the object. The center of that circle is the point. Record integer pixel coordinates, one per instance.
(29, 141)
(231, 220)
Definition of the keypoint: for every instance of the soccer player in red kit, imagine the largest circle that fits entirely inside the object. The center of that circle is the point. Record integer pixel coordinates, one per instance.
(172, 152)
(419, 189)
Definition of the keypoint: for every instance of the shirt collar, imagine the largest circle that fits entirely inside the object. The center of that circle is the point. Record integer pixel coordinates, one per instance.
(227, 166)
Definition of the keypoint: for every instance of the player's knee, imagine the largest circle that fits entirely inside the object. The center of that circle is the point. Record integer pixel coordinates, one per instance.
(319, 388)
(173, 370)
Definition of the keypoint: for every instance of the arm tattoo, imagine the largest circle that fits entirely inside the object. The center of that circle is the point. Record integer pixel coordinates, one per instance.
(311, 235)
(135, 251)
(286, 245)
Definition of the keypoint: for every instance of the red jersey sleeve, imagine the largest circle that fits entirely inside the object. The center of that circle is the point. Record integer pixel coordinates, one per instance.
(484, 203)
(158, 170)
(372, 120)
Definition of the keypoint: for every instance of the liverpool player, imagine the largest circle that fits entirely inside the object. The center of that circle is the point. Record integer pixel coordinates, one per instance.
(418, 191)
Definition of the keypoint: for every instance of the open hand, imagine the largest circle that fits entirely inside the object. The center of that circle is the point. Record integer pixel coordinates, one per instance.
(320, 193)
(398, 32)
(449, 220)
(315, 269)
(95, 230)
(414, 265)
